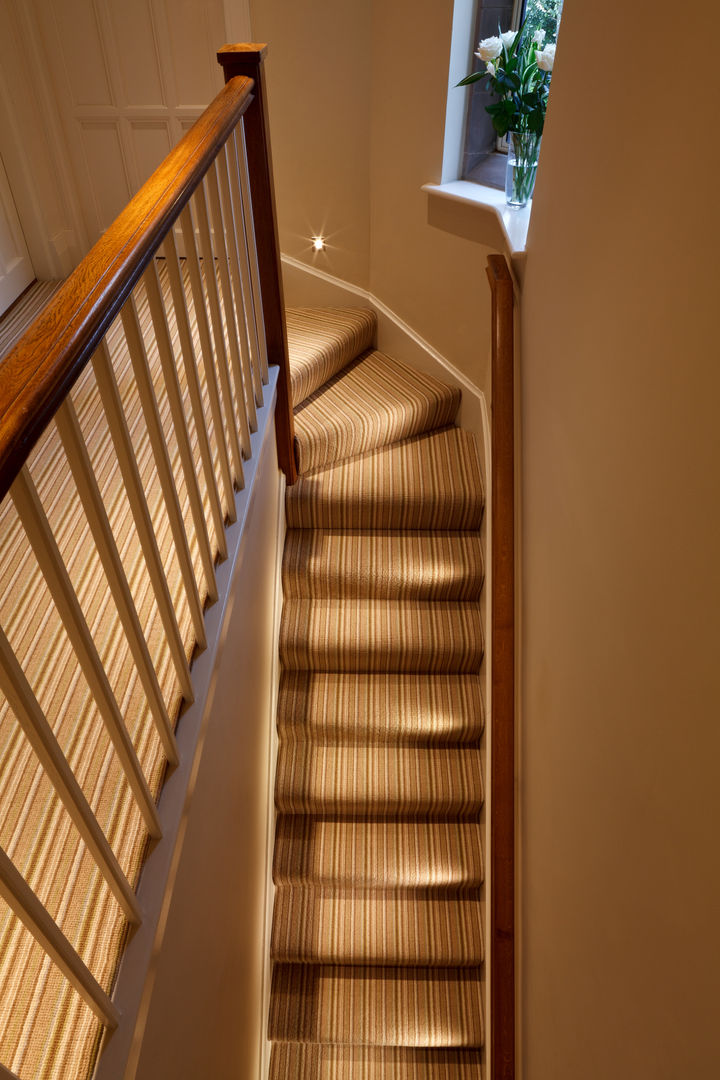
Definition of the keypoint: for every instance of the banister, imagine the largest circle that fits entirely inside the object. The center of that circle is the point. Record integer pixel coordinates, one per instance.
(248, 60)
(502, 752)
(37, 374)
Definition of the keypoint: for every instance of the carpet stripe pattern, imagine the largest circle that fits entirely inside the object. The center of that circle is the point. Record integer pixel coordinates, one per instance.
(46, 1030)
(15, 321)
(377, 936)
(305, 1061)
(415, 709)
(373, 402)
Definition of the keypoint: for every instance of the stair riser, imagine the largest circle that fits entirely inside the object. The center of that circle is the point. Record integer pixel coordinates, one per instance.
(342, 927)
(372, 403)
(412, 1007)
(390, 709)
(305, 1061)
(416, 855)
(374, 566)
(381, 637)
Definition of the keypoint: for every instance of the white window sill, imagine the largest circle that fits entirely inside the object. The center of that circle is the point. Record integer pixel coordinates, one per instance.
(479, 213)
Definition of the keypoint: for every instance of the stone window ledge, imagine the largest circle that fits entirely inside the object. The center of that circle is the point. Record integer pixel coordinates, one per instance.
(480, 213)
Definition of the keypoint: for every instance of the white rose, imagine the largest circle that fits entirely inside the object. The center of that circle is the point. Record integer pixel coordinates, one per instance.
(491, 69)
(538, 37)
(508, 38)
(546, 58)
(489, 48)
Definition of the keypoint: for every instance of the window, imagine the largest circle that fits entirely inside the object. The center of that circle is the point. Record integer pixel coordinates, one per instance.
(483, 159)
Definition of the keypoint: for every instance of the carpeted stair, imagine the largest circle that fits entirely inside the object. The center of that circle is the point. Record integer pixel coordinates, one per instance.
(377, 936)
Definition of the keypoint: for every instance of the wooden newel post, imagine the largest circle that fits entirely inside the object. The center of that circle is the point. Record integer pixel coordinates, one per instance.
(248, 60)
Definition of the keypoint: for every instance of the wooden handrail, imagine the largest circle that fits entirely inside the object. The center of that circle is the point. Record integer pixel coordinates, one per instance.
(502, 753)
(248, 60)
(38, 373)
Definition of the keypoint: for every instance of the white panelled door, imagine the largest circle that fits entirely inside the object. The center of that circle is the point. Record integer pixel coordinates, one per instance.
(129, 78)
(16, 271)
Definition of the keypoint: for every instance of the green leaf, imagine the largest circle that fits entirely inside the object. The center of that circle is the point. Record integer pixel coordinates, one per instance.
(475, 77)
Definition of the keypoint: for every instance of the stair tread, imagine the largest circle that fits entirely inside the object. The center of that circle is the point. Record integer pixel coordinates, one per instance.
(372, 402)
(389, 854)
(312, 1061)
(427, 482)
(384, 927)
(382, 565)
(381, 635)
(322, 341)
(378, 781)
(417, 708)
(429, 1007)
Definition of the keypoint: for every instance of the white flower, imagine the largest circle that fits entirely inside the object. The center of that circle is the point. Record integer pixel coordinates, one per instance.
(489, 48)
(508, 38)
(538, 37)
(546, 58)
(491, 69)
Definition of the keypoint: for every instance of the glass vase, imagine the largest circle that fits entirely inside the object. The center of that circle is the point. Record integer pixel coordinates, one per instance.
(523, 152)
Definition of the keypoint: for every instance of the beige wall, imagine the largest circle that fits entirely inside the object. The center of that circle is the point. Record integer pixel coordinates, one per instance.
(318, 69)
(357, 106)
(620, 723)
(206, 1015)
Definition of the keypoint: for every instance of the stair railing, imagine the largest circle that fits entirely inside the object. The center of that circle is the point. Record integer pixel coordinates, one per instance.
(502, 750)
(204, 223)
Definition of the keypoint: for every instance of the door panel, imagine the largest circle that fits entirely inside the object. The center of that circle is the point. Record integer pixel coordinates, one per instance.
(16, 271)
(129, 77)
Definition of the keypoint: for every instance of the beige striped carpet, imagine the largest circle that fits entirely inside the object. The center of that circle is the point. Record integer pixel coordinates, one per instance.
(377, 938)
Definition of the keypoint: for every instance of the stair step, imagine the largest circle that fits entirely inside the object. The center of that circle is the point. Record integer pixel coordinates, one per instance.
(342, 926)
(339, 707)
(322, 341)
(381, 635)
(382, 566)
(387, 854)
(378, 781)
(373, 402)
(429, 482)
(429, 1007)
(312, 1061)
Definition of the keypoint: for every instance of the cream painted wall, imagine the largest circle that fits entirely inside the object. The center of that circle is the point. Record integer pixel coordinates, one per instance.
(357, 107)
(319, 76)
(207, 1015)
(620, 719)
(434, 280)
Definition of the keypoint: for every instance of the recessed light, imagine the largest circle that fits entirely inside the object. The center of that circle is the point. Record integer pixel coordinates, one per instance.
(318, 243)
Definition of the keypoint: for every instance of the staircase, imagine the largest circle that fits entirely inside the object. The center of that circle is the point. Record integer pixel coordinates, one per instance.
(377, 930)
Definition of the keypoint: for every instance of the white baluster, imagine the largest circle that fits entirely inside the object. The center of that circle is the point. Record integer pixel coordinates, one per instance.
(86, 483)
(239, 268)
(187, 461)
(41, 737)
(198, 293)
(223, 240)
(179, 300)
(47, 553)
(143, 380)
(112, 405)
(200, 208)
(22, 900)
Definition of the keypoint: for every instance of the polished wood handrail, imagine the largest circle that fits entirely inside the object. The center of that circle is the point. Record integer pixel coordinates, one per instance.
(502, 752)
(248, 60)
(37, 374)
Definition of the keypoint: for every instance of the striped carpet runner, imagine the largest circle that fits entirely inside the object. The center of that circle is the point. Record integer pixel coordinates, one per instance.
(377, 929)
